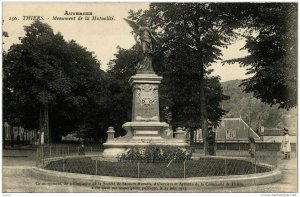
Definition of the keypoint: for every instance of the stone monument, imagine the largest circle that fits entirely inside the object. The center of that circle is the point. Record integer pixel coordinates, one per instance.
(145, 127)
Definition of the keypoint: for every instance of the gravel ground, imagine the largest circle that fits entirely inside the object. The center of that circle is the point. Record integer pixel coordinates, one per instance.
(15, 162)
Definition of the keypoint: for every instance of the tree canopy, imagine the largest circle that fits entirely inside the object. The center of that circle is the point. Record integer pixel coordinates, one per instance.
(120, 70)
(47, 75)
(270, 30)
(191, 36)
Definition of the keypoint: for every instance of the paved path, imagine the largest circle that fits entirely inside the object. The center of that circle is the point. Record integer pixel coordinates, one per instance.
(14, 178)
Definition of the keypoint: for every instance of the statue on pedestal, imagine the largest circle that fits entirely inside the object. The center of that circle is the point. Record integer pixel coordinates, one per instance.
(145, 128)
(146, 38)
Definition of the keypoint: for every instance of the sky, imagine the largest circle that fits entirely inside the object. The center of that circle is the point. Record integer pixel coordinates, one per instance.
(100, 36)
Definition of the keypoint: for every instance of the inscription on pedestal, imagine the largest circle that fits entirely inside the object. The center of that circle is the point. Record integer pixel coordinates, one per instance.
(146, 105)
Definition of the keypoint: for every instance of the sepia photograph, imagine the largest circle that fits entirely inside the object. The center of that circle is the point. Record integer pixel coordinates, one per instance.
(127, 97)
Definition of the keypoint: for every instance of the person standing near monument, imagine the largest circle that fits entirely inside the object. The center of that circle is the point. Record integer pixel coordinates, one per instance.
(286, 145)
(82, 147)
(211, 139)
(252, 150)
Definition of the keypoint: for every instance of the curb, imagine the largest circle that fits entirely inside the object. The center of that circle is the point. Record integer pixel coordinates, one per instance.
(121, 184)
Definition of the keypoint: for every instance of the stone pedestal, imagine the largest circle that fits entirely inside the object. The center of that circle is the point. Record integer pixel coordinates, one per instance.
(145, 127)
(179, 134)
(145, 108)
(110, 133)
(146, 130)
(145, 102)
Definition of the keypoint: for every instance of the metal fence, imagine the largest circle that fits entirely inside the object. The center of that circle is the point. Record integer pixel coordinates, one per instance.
(88, 160)
(64, 150)
(265, 152)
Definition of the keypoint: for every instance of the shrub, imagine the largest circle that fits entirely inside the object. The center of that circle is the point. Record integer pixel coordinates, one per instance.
(153, 153)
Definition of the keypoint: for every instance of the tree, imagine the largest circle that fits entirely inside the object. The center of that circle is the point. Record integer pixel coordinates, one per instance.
(51, 84)
(4, 91)
(28, 72)
(271, 40)
(193, 32)
(182, 84)
(83, 108)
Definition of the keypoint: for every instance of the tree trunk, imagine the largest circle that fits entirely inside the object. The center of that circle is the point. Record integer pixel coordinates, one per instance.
(11, 136)
(26, 135)
(18, 136)
(47, 124)
(203, 112)
(3, 135)
(40, 126)
(29, 138)
(44, 124)
(192, 138)
(23, 137)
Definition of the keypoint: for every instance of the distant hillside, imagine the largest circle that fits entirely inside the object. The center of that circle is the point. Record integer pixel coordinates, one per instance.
(251, 109)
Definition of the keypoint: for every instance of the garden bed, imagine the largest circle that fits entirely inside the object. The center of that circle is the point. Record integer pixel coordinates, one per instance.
(190, 168)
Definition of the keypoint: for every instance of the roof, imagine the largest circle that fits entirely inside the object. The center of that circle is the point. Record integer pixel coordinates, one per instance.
(235, 129)
(275, 132)
(278, 139)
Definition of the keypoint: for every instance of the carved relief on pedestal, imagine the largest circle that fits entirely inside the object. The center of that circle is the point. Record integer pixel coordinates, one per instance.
(146, 103)
(147, 94)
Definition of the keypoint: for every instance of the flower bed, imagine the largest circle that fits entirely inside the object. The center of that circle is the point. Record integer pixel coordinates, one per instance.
(203, 167)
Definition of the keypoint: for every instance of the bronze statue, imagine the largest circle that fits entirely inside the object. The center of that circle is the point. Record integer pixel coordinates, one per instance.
(142, 31)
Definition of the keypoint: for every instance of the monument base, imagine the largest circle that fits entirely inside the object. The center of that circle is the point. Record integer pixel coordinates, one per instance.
(113, 152)
(145, 128)
(139, 135)
(119, 146)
